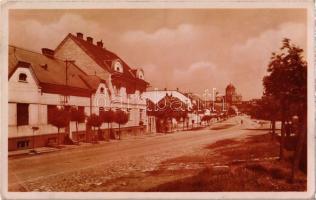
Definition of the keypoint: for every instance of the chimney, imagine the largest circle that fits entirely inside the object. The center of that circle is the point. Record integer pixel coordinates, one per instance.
(90, 40)
(48, 52)
(79, 35)
(100, 44)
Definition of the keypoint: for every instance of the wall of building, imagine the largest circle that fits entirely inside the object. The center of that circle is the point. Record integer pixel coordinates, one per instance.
(30, 93)
(71, 51)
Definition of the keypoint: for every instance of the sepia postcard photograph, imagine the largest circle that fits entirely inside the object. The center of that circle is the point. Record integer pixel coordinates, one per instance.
(138, 100)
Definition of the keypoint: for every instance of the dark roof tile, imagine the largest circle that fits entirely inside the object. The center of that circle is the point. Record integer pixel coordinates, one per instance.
(48, 71)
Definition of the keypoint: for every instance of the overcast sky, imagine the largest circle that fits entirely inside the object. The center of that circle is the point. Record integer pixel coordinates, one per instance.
(192, 50)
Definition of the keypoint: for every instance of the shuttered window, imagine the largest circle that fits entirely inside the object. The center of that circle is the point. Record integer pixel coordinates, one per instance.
(50, 113)
(22, 114)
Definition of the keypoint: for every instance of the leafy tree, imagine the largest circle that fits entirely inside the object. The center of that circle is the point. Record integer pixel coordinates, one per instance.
(287, 82)
(121, 118)
(181, 114)
(107, 117)
(266, 109)
(77, 116)
(95, 122)
(60, 119)
(167, 108)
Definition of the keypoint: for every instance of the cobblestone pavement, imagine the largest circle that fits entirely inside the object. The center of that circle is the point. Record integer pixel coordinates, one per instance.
(87, 168)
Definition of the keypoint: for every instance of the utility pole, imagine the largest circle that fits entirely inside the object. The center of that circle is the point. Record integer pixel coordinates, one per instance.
(65, 96)
(214, 98)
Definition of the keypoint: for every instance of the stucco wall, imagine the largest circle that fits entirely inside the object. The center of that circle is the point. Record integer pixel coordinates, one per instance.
(23, 92)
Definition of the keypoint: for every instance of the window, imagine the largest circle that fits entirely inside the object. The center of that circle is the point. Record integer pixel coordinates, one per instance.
(101, 109)
(140, 74)
(22, 144)
(140, 114)
(22, 77)
(22, 114)
(50, 113)
(80, 115)
(81, 110)
(102, 90)
(117, 66)
(128, 111)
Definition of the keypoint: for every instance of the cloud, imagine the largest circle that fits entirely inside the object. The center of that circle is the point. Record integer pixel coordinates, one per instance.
(192, 57)
(37, 35)
(250, 59)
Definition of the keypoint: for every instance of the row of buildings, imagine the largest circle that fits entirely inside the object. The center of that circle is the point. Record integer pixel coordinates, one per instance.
(78, 73)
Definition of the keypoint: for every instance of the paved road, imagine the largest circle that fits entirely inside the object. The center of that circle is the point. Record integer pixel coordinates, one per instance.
(35, 168)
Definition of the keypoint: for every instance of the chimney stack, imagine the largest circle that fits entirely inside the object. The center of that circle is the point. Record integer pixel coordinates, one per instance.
(100, 44)
(48, 52)
(79, 35)
(90, 40)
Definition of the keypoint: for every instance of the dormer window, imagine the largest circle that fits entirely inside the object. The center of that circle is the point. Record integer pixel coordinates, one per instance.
(117, 66)
(140, 74)
(102, 90)
(22, 77)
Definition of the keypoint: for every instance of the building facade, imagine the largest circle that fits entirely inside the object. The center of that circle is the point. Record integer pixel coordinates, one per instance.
(78, 73)
(231, 96)
(156, 99)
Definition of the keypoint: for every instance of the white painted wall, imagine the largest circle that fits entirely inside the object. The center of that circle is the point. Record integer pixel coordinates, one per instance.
(38, 106)
(30, 92)
(23, 92)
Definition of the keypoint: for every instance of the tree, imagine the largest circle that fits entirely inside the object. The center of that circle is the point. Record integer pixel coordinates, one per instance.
(287, 82)
(107, 117)
(121, 118)
(266, 109)
(181, 114)
(94, 121)
(77, 116)
(60, 119)
(167, 108)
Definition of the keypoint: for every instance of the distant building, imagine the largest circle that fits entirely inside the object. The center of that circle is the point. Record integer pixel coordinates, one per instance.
(231, 95)
(155, 96)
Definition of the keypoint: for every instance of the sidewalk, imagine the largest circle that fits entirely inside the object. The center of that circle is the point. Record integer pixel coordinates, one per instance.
(40, 150)
(43, 150)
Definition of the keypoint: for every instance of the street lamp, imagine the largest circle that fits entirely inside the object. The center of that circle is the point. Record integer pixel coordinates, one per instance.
(34, 128)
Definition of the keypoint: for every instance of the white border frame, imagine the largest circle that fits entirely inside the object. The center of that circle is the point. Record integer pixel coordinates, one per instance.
(159, 4)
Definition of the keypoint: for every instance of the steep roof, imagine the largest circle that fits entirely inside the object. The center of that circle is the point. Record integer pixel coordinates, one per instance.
(157, 95)
(49, 71)
(102, 56)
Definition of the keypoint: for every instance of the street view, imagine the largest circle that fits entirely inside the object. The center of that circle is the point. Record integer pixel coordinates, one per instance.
(158, 100)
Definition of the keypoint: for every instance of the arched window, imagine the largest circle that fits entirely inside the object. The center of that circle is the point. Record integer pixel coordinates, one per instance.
(117, 66)
(140, 74)
(22, 77)
(102, 90)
